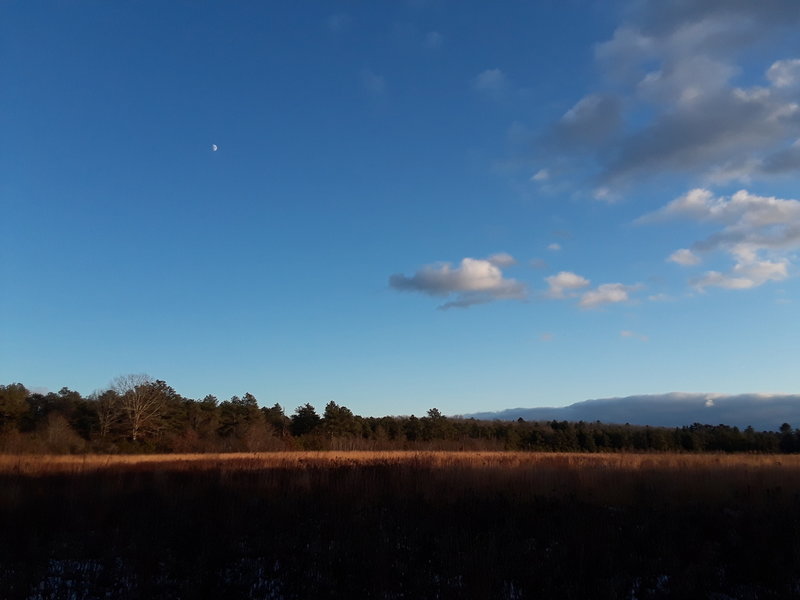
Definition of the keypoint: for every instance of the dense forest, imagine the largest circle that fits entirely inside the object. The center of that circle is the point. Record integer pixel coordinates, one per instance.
(137, 414)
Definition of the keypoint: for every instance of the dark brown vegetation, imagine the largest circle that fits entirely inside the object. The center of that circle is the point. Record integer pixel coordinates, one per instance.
(400, 525)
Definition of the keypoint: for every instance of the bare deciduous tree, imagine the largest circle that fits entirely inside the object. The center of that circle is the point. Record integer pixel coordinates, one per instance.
(141, 402)
(107, 406)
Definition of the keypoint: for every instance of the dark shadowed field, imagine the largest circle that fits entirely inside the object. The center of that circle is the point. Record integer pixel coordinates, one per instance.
(400, 525)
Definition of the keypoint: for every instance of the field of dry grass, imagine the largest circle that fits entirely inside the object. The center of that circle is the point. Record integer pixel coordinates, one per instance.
(257, 460)
(605, 478)
(400, 525)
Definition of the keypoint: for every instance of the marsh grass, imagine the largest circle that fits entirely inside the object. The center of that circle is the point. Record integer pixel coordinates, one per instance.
(604, 478)
(400, 525)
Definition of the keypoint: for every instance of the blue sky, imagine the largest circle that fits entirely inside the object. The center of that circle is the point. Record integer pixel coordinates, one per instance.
(465, 205)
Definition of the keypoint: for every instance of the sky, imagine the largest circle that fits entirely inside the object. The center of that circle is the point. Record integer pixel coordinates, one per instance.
(402, 205)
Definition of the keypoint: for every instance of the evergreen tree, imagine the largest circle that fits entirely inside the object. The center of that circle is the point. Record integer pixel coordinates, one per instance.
(304, 420)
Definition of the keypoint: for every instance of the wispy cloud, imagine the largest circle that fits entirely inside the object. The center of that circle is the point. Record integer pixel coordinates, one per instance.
(538, 263)
(433, 40)
(372, 82)
(590, 123)
(744, 275)
(474, 281)
(541, 175)
(661, 297)
(632, 335)
(502, 259)
(338, 22)
(492, 83)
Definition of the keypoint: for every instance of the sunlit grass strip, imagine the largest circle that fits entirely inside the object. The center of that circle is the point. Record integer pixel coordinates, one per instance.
(33, 464)
(587, 465)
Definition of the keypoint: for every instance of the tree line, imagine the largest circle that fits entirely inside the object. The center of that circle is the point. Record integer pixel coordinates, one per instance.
(138, 414)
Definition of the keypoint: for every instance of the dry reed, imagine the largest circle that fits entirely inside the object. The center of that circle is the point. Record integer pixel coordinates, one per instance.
(401, 524)
(603, 478)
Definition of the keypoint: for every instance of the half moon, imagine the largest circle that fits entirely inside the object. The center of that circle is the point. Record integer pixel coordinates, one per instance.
(214, 147)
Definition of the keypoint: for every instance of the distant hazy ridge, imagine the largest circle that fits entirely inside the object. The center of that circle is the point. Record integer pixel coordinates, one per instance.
(761, 411)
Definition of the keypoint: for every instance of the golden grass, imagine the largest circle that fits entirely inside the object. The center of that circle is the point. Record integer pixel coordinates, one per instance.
(54, 464)
(603, 524)
(605, 478)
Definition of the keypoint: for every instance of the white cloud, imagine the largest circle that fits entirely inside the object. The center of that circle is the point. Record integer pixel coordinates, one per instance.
(605, 194)
(696, 203)
(745, 275)
(565, 284)
(554, 247)
(758, 232)
(474, 281)
(541, 175)
(607, 293)
(684, 257)
(743, 212)
(571, 285)
(547, 337)
(784, 73)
